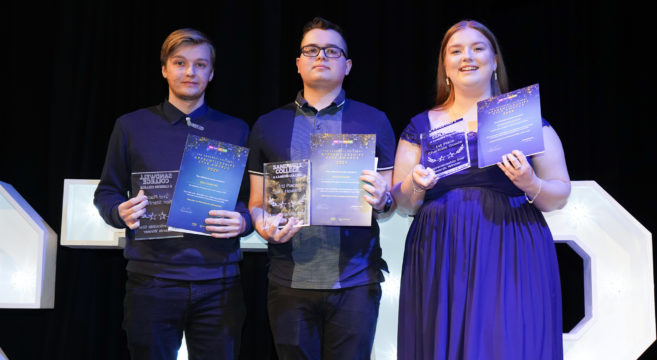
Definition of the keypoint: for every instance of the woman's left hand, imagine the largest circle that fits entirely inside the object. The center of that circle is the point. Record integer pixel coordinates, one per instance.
(516, 167)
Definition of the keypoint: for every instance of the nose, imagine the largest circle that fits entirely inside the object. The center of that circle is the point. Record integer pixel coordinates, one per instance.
(190, 70)
(467, 54)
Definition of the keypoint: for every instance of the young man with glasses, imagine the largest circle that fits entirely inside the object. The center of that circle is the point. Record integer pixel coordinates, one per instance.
(190, 283)
(324, 289)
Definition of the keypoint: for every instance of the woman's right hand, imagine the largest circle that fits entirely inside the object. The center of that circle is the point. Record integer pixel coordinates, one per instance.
(423, 178)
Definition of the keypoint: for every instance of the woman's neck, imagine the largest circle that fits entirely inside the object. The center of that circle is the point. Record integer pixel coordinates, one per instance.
(464, 100)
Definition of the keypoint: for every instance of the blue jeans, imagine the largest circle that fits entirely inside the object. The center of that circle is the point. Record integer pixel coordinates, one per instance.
(157, 311)
(324, 324)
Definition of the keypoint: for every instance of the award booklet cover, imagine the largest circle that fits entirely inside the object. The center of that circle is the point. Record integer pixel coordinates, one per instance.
(158, 187)
(445, 149)
(336, 190)
(287, 189)
(210, 178)
(508, 122)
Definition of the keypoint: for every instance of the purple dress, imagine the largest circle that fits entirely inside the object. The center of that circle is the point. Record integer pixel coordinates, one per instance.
(480, 278)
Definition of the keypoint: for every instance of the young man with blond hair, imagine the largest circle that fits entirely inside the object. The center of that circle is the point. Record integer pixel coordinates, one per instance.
(175, 285)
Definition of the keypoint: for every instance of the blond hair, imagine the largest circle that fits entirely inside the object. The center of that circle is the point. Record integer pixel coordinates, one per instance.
(183, 37)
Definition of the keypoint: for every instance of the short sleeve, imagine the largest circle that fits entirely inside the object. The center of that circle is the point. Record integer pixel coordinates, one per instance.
(415, 127)
(256, 155)
(545, 123)
(386, 145)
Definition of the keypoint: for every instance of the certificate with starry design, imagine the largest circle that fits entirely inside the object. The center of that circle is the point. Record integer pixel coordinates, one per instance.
(210, 179)
(158, 187)
(508, 122)
(337, 161)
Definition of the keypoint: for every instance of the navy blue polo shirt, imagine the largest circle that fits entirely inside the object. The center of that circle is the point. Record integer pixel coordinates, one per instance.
(153, 139)
(322, 257)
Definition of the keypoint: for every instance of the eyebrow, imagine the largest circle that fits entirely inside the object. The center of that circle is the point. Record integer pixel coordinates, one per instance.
(184, 58)
(474, 43)
(327, 45)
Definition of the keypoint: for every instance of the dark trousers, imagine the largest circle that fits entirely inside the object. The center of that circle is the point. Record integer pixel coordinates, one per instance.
(324, 324)
(157, 311)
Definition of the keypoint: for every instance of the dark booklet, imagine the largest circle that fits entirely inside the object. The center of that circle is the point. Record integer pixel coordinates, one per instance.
(158, 187)
(287, 189)
(508, 122)
(445, 149)
(336, 189)
(210, 178)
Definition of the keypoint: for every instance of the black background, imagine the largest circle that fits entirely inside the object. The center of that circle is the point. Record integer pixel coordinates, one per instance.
(71, 68)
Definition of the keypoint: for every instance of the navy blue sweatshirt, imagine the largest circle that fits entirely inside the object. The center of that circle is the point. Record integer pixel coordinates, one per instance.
(153, 139)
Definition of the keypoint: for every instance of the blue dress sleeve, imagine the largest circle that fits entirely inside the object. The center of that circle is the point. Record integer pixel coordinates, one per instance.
(546, 123)
(417, 125)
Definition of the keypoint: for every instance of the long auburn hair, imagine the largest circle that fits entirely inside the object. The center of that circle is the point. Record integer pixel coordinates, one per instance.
(444, 93)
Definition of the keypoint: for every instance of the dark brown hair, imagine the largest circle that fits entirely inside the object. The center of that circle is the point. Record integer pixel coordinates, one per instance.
(323, 24)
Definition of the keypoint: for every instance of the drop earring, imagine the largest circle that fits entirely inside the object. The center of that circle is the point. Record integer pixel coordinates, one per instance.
(447, 81)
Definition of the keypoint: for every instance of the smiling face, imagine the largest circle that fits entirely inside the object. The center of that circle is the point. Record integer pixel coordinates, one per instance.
(188, 71)
(469, 60)
(320, 71)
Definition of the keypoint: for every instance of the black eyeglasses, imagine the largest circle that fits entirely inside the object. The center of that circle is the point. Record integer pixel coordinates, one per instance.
(329, 51)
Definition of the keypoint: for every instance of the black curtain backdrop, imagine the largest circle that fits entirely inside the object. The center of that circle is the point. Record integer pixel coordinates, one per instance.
(73, 67)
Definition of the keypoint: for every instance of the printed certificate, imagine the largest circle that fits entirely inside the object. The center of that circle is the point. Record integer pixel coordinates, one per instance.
(210, 178)
(508, 122)
(337, 161)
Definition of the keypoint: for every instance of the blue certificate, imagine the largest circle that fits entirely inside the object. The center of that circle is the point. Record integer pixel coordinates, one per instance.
(508, 122)
(210, 178)
(337, 161)
(445, 149)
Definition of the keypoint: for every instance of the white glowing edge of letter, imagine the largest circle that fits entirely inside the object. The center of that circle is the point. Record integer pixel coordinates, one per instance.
(82, 225)
(619, 321)
(28, 254)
